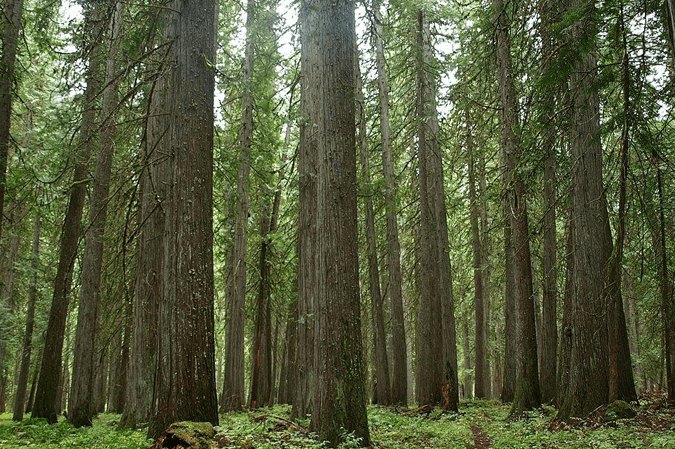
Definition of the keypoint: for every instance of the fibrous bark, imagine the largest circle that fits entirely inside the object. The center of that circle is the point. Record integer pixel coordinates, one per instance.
(307, 237)
(399, 385)
(549, 335)
(527, 395)
(13, 11)
(233, 388)
(588, 384)
(382, 386)
(339, 398)
(80, 404)
(22, 381)
(47, 394)
(184, 386)
(436, 339)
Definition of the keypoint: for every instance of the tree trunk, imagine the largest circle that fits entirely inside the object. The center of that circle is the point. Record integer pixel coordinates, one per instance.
(80, 405)
(467, 381)
(383, 388)
(33, 386)
(184, 388)
(527, 395)
(149, 284)
(261, 381)
(565, 350)
(287, 377)
(485, 271)
(288, 369)
(307, 233)
(510, 347)
(429, 349)
(588, 385)
(22, 382)
(339, 396)
(48, 385)
(657, 228)
(100, 377)
(670, 16)
(121, 377)
(480, 342)
(13, 11)
(399, 385)
(64, 385)
(233, 388)
(621, 383)
(549, 334)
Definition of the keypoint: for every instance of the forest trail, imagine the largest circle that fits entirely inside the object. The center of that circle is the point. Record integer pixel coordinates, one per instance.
(481, 440)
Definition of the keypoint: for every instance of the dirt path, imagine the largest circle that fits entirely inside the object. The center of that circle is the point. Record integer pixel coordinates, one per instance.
(480, 438)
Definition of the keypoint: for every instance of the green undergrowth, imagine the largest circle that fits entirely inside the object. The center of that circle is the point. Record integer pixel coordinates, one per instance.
(479, 424)
(37, 433)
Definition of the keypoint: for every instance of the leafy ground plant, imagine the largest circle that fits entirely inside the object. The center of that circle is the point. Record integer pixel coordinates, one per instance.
(479, 424)
(37, 433)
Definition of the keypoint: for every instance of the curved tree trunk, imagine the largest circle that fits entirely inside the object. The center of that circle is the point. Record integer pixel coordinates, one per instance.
(47, 394)
(81, 404)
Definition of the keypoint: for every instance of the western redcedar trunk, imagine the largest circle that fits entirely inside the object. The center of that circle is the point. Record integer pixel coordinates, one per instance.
(382, 385)
(47, 395)
(399, 384)
(13, 11)
(307, 238)
(670, 15)
(527, 395)
(480, 339)
(80, 404)
(184, 387)
(588, 384)
(233, 387)
(655, 208)
(621, 382)
(149, 260)
(339, 397)
(436, 339)
(261, 380)
(288, 368)
(549, 338)
(22, 381)
(510, 347)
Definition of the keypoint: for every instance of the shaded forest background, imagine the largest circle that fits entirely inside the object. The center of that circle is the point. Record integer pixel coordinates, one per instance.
(480, 260)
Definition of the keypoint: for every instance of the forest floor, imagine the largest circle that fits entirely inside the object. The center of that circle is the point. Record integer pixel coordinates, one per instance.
(479, 424)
